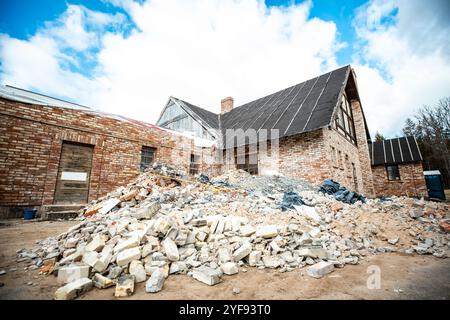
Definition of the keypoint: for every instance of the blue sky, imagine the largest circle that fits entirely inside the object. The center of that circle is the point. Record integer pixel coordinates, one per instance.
(128, 57)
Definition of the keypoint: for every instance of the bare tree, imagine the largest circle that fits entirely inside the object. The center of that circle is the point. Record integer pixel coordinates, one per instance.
(431, 128)
(379, 137)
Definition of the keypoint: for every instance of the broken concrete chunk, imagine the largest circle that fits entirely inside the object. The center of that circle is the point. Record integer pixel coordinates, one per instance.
(229, 268)
(201, 236)
(393, 241)
(71, 273)
(247, 231)
(108, 205)
(148, 211)
(171, 249)
(320, 269)
(71, 243)
(102, 282)
(254, 258)
(124, 286)
(199, 222)
(137, 270)
(313, 253)
(90, 258)
(416, 213)
(156, 281)
(96, 244)
(128, 255)
(271, 261)
(242, 251)
(267, 231)
(126, 244)
(309, 212)
(73, 289)
(177, 267)
(130, 195)
(224, 254)
(206, 275)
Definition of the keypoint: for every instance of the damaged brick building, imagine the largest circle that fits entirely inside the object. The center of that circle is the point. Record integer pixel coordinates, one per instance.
(56, 152)
(320, 125)
(397, 167)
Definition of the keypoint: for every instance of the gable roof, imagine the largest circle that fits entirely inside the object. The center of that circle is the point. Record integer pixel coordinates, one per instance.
(208, 117)
(394, 151)
(304, 107)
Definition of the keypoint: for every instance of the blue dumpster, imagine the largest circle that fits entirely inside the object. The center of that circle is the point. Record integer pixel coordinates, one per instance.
(435, 185)
(29, 214)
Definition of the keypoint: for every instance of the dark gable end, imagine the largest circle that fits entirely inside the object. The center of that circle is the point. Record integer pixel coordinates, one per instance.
(394, 151)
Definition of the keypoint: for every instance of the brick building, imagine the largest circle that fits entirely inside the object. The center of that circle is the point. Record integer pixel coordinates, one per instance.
(318, 127)
(56, 152)
(397, 168)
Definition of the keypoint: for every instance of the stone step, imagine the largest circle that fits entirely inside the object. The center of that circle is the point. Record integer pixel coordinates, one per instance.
(58, 211)
(62, 207)
(55, 215)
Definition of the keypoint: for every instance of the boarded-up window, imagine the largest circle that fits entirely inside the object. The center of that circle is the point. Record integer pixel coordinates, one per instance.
(147, 157)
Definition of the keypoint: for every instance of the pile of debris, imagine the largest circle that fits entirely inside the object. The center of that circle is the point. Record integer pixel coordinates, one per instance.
(164, 223)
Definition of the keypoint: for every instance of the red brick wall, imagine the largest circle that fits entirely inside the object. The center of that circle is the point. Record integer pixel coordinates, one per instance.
(304, 156)
(411, 183)
(340, 166)
(31, 138)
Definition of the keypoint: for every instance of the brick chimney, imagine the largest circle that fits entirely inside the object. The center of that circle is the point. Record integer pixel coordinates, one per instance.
(226, 105)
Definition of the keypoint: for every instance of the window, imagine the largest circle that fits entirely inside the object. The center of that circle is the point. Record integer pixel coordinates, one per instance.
(355, 180)
(247, 162)
(344, 120)
(147, 157)
(340, 161)
(194, 164)
(392, 172)
(333, 157)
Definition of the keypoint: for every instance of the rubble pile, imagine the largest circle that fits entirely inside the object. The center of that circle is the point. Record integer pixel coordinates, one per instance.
(164, 223)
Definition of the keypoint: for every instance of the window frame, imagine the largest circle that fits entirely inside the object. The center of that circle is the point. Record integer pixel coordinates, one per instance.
(143, 165)
(194, 164)
(398, 177)
(344, 118)
(252, 168)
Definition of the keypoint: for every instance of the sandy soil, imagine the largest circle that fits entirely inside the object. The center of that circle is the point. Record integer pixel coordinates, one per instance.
(402, 276)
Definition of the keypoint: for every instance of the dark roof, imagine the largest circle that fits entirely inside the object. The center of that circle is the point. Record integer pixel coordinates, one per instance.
(209, 118)
(394, 151)
(304, 107)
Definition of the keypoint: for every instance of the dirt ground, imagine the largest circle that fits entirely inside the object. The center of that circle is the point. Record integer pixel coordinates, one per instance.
(401, 276)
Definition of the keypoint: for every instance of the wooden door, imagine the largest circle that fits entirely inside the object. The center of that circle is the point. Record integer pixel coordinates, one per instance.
(74, 173)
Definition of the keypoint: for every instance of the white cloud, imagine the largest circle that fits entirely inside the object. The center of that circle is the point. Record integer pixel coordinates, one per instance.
(200, 51)
(403, 64)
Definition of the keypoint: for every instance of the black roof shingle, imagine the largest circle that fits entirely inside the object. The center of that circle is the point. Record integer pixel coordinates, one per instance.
(304, 107)
(394, 151)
